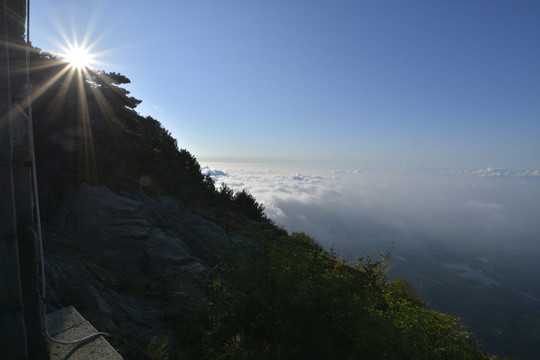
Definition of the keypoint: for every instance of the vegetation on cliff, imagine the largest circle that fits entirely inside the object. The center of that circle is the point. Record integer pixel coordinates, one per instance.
(283, 297)
(271, 295)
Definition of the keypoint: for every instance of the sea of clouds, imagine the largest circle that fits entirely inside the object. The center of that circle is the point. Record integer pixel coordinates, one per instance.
(366, 210)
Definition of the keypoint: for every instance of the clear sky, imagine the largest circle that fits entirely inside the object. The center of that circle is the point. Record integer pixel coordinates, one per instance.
(368, 83)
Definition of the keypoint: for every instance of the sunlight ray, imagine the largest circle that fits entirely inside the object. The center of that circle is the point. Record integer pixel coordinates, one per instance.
(105, 108)
(71, 40)
(59, 98)
(38, 92)
(91, 27)
(65, 42)
(109, 114)
(77, 51)
(86, 130)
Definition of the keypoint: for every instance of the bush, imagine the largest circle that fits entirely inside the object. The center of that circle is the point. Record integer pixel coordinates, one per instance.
(280, 299)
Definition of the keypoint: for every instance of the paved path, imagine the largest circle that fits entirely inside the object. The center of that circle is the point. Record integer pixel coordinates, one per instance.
(68, 325)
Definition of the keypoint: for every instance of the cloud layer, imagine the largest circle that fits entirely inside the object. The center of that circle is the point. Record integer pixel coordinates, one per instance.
(367, 210)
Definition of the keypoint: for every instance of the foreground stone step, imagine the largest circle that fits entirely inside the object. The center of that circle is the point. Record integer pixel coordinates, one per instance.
(67, 325)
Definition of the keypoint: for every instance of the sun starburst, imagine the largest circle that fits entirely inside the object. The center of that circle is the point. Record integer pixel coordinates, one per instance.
(74, 75)
(78, 57)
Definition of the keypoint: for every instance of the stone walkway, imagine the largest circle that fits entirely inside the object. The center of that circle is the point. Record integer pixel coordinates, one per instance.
(68, 325)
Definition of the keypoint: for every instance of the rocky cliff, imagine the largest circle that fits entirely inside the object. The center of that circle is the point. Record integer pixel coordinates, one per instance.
(129, 263)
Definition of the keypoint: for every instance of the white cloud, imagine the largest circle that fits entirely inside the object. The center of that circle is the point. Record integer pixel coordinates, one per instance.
(492, 172)
(342, 171)
(368, 210)
(496, 172)
(481, 172)
(529, 173)
(213, 173)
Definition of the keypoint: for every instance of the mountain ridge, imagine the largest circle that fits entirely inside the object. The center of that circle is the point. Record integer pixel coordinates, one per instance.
(124, 245)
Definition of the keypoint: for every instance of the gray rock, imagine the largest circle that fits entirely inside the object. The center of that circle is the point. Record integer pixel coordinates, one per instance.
(165, 252)
(126, 261)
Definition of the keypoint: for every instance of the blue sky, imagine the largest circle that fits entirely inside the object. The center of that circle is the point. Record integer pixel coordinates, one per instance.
(367, 83)
(357, 117)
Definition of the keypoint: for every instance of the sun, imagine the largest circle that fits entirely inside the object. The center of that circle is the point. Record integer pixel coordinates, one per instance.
(78, 57)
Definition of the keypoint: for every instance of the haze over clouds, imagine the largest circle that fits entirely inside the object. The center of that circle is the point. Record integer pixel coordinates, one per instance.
(366, 210)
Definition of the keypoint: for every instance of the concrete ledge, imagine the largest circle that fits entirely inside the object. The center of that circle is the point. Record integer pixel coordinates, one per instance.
(68, 325)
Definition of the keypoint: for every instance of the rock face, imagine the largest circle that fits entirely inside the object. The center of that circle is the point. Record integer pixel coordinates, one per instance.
(129, 263)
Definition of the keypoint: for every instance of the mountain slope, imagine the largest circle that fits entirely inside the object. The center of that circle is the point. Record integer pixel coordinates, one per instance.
(146, 247)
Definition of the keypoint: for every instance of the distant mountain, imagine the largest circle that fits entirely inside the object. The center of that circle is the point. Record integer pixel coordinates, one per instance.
(150, 250)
